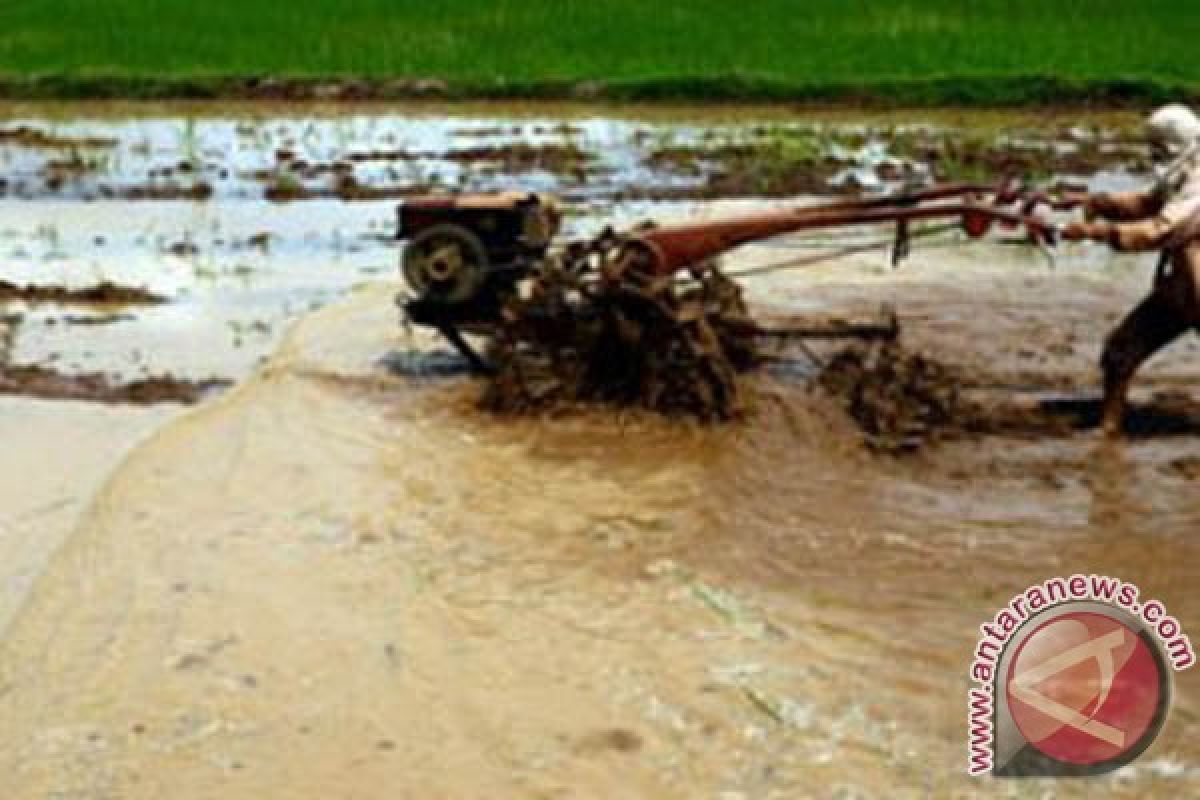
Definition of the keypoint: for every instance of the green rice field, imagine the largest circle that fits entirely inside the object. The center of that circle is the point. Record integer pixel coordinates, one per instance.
(983, 51)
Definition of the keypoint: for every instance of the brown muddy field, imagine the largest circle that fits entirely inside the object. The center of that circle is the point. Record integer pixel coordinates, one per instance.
(341, 579)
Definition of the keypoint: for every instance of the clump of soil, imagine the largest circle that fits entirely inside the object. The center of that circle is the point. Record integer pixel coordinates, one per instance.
(286, 190)
(1031, 155)
(657, 345)
(292, 179)
(772, 168)
(46, 383)
(900, 400)
(485, 131)
(382, 155)
(9, 323)
(59, 171)
(1186, 468)
(336, 91)
(594, 327)
(101, 319)
(38, 381)
(785, 162)
(102, 294)
(346, 188)
(25, 136)
(166, 191)
(521, 157)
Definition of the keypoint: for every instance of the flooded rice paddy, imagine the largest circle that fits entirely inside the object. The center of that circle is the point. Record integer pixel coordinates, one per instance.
(247, 219)
(338, 578)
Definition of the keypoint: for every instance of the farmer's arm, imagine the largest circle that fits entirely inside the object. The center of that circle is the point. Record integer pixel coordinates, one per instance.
(1147, 234)
(1125, 206)
(1171, 222)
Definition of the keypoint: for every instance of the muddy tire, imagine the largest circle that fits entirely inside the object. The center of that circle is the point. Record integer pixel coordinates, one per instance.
(445, 264)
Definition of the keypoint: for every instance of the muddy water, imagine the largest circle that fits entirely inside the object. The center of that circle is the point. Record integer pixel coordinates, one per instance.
(55, 456)
(340, 580)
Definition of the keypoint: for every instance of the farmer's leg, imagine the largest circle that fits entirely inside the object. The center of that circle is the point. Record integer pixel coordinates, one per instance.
(1154, 324)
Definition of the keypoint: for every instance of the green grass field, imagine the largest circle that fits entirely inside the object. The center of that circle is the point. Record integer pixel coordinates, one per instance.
(938, 50)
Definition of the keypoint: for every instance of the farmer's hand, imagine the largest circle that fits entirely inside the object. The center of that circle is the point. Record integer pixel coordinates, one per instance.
(1093, 205)
(1097, 206)
(1082, 231)
(1069, 200)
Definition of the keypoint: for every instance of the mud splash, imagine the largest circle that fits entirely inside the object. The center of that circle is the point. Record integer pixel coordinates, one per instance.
(901, 401)
(657, 347)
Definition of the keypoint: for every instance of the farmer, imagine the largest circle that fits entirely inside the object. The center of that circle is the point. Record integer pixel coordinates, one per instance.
(1166, 217)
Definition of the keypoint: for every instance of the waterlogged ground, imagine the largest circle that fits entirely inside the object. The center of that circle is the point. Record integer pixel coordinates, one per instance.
(340, 579)
(245, 218)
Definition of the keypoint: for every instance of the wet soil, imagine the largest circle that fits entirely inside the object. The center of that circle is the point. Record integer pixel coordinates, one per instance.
(900, 401)
(105, 293)
(293, 179)
(263, 597)
(37, 381)
(345, 188)
(25, 136)
(515, 158)
(787, 161)
(591, 605)
(157, 191)
(903, 402)
(56, 456)
(766, 168)
(729, 155)
(49, 384)
(9, 324)
(1068, 151)
(672, 350)
(981, 92)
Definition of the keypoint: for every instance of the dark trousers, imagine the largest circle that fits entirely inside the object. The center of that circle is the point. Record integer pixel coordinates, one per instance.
(1169, 311)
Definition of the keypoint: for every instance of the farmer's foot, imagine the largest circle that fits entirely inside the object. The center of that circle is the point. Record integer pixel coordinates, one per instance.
(1113, 421)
